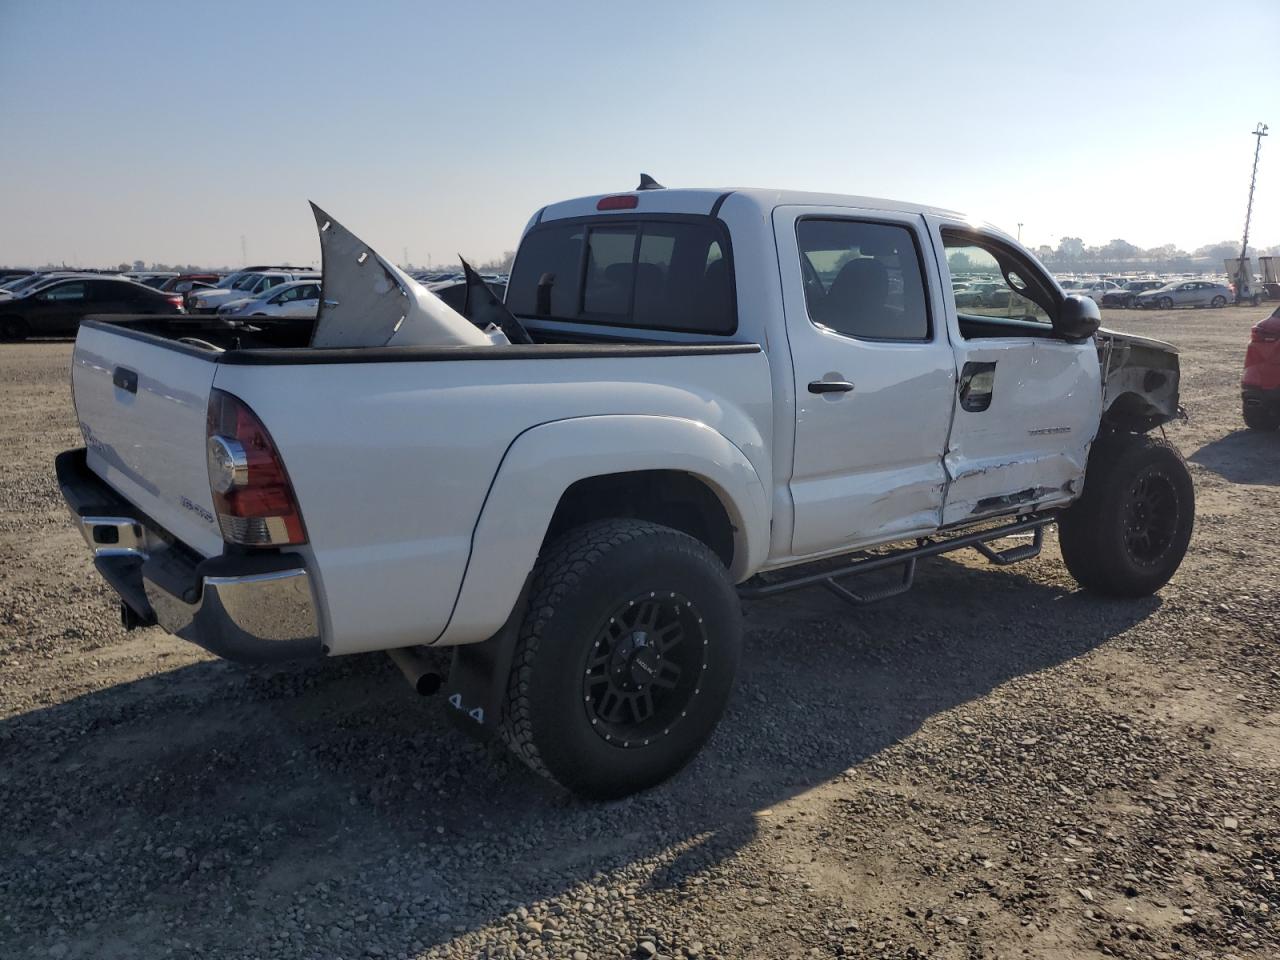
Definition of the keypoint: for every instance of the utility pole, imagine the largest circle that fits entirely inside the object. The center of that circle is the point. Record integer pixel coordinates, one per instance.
(1244, 274)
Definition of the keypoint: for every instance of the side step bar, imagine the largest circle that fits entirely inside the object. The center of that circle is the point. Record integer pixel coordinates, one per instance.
(906, 557)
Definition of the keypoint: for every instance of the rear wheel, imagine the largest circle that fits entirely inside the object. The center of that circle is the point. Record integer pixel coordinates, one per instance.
(625, 660)
(1218, 301)
(13, 328)
(1127, 535)
(1257, 417)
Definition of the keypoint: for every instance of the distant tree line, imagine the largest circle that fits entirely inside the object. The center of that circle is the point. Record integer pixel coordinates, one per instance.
(1121, 256)
(1070, 256)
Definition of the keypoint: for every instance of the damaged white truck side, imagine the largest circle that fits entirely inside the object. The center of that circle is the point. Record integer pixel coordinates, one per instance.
(690, 396)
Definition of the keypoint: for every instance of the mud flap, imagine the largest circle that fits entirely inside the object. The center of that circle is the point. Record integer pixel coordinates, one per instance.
(476, 691)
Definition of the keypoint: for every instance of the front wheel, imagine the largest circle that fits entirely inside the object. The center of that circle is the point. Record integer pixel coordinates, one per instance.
(1166, 303)
(1219, 302)
(1127, 535)
(625, 660)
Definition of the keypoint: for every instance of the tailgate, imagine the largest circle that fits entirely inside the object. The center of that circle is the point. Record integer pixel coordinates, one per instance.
(142, 406)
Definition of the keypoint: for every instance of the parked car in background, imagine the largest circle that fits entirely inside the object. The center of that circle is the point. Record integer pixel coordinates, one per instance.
(57, 308)
(248, 286)
(1186, 293)
(1127, 295)
(454, 292)
(1260, 385)
(298, 298)
(24, 285)
(978, 294)
(8, 276)
(1095, 290)
(186, 282)
(151, 278)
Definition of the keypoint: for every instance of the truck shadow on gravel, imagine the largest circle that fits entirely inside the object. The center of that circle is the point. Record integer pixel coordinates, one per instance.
(1245, 456)
(247, 811)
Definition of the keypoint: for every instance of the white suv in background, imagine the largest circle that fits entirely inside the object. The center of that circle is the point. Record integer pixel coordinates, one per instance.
(248, 287)
(297, 298)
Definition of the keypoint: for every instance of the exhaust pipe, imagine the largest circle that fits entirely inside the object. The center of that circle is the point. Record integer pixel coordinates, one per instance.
(416, 670)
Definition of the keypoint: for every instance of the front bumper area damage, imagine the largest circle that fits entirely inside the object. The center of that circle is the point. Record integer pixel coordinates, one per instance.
(253, 608)
(1140, 378)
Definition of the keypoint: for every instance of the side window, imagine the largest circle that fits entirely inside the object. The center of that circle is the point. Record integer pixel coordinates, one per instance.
(863, 279)
(1000, 287)
(66, 291)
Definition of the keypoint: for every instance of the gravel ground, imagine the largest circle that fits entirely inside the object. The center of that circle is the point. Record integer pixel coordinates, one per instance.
(993, 765)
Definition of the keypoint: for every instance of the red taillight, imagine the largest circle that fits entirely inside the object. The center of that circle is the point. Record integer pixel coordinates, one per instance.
(1268, 330)
(252, 494)
(624, 201)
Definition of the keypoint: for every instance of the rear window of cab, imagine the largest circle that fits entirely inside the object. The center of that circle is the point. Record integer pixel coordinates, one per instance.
(671, 273)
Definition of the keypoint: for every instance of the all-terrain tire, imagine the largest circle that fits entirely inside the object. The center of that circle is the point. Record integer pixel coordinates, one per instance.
(594, 595)
(1127, 535)
(1259, 418)
(13, 329)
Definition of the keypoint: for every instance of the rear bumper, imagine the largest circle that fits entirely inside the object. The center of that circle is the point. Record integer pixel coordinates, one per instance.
(254, 608)
(1261, 399)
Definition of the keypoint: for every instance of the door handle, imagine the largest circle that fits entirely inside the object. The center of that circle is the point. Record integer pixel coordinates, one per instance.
(125, 379)
(830, 386)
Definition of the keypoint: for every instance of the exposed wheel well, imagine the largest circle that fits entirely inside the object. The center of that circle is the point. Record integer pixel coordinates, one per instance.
(669, 497)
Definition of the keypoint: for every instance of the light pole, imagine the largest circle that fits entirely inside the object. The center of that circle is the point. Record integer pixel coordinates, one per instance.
(1244, 275)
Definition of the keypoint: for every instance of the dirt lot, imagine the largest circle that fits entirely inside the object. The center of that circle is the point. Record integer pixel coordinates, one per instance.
(993, 765)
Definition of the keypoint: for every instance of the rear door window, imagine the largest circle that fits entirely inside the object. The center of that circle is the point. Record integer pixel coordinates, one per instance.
(660, 274)
(863, 279)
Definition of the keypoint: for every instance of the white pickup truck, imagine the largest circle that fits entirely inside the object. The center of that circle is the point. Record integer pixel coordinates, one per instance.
(729, 393)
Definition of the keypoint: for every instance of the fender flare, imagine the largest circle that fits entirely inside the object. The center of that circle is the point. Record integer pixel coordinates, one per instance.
(545, 460)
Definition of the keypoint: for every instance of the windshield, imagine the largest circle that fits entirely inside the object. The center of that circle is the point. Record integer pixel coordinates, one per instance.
(247, 281)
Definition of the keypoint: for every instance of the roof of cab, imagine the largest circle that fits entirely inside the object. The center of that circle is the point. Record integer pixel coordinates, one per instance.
(703, 200)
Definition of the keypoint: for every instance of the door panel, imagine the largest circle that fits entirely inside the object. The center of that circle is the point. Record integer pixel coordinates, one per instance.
(1022, 441)
(872, 415)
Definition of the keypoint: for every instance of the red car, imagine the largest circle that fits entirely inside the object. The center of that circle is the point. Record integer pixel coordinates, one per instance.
(1260, 385)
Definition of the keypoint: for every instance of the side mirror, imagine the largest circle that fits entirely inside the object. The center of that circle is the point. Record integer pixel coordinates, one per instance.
(1078, 318)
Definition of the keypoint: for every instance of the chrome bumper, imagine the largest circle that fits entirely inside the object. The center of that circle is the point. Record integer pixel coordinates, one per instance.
(256, 616)
(255, 608)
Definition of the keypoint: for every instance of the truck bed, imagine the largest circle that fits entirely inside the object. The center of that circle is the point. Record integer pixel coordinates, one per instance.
(392, 451)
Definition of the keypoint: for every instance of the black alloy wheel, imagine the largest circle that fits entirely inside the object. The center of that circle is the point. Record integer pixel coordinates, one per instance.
(644, 669)
(1151, 518)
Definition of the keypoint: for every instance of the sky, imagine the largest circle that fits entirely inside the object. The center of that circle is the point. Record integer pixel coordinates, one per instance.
(168, 131)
